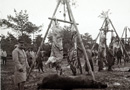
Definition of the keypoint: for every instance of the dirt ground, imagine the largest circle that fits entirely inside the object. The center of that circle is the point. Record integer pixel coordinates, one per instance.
(118, 79)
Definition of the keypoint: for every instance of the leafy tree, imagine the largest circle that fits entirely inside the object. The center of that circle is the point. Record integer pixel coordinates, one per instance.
(8, 43)
(20, 23)
(27, 40)
(47, 49)
(87, 39)
(38, 40)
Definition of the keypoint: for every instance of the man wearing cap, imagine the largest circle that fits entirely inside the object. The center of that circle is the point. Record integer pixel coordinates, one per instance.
(21, 65)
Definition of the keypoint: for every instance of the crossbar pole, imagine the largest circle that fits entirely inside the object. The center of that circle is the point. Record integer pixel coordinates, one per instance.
(62, 20)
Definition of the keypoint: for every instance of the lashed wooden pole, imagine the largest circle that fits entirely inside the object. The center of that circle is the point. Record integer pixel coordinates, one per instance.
(123, 33)
(95, 41)
(31, 68)
(64, 21)
(70, 18)
(129, 37)
(98, 35)
(129, 29)
(84, 51)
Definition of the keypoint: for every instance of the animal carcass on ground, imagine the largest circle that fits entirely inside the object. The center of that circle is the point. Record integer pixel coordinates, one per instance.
(54, 81)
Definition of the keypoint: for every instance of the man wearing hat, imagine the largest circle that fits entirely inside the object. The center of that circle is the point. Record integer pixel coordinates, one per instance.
(21, 65)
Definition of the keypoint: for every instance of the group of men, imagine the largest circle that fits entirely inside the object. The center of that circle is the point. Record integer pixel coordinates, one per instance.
(23, 60)
(111, 57)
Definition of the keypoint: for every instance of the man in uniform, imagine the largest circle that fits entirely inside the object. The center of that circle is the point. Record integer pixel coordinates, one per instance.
(21, 65)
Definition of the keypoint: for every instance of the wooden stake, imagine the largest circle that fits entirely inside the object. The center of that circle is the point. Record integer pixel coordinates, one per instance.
(95, 41)
(123, 33)
(77, 58)
(98, 35)
(84, 51)
(129, 29)
(70, 18)
(62, 20)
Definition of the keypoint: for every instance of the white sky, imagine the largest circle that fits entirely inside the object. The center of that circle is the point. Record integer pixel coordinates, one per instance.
(86, 13)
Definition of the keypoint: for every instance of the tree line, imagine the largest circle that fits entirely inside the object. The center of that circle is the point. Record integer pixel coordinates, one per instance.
(24, 28)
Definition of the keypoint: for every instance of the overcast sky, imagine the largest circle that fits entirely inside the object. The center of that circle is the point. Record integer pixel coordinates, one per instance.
(85, 13)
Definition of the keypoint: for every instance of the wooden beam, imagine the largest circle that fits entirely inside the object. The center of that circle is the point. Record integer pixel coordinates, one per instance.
(81, 42)
(103, 23)
(98, 35)
(107, 30)
(95, 41)
(70, 18)
(123, 33)
(62, 20)
(129, 29)
(125, 38)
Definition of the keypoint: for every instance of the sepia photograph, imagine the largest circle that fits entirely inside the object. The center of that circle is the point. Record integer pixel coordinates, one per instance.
(64, 44)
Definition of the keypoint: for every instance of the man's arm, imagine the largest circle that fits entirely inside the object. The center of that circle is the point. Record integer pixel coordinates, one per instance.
(16, 60)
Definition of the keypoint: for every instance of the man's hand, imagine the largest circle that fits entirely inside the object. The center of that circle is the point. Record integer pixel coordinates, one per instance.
(20, 70)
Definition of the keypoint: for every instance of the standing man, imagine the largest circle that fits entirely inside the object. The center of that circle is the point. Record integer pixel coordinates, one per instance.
(33, 55)
(119, 56)
(4, 55)
(39, 61)
(21, 65)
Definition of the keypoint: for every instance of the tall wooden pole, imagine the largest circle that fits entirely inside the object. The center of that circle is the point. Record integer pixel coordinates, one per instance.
(129, 37)
(70, 18)
(95, 41)
(112, 34)
(129, 29)
(105, 31)
(30, 70)
(98, 35)
(79, 63)
(123, 33)
(77, 58)
(84, 51)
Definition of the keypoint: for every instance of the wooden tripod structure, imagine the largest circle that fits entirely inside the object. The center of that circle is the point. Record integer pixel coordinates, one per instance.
(114, 30)
(72, 22)
(103, 28)
(125, 31)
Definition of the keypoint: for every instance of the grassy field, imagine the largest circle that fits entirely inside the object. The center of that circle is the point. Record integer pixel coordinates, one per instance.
(118, 79)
